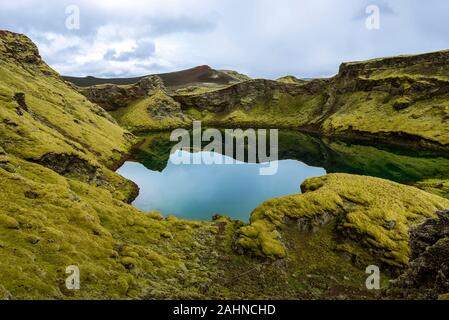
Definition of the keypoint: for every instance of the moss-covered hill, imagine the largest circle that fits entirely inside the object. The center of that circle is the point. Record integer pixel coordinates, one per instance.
(370, 212)
(62, 204)
(398, 100)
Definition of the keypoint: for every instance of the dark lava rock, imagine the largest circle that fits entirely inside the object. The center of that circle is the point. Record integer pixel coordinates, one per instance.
(5, 163)
(70, 165)
(31, 195)
(427, 276)
(401, 105)
(19, 97)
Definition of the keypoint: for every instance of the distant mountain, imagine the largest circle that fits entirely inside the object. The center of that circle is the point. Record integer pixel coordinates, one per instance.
(290, 80)
(197, 75)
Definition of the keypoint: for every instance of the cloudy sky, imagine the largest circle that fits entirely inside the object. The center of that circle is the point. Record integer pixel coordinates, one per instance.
(262, 38)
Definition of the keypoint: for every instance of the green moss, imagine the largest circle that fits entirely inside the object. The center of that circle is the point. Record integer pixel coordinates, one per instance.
(154, 113)
(375, 212)
(52, 217)
(261, 238)
(8, 222)
(105, 237)
(444, 297)
(424, 118)
(290, 80)
(436, 186)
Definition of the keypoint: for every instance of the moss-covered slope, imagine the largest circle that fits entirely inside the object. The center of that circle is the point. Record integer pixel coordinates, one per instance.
(49, 222)
(41, 114)
(61, 204)
(372, 217)
(399, 100)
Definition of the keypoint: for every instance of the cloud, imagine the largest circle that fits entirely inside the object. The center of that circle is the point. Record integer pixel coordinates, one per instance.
(264, 38)
(144, 48)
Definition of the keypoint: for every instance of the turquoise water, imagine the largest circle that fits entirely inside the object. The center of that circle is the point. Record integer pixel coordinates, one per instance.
(199, 191)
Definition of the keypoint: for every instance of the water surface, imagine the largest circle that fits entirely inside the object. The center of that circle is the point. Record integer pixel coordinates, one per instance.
(200, 191)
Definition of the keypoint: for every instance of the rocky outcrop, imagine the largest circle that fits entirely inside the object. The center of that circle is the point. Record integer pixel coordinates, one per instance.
(370, 215)
(72, 166)
(162, 106)
(246, 95)
(112, 97)
(19, 48)
(427, 276)
(433, 64)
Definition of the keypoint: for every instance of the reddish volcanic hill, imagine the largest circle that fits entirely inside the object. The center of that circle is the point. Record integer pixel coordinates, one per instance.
(201, 74)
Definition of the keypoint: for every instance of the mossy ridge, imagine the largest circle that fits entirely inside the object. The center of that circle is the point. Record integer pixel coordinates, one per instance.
(423, 119)
(55, 222)
(50, 220)
(376, 213)
(290, 80)
(51, 116)
(144, 253)
(399, 101)
(151, 114)
(44, 118)
(426, 64)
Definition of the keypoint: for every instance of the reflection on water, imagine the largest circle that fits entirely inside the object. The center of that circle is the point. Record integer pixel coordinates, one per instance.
(200, 191)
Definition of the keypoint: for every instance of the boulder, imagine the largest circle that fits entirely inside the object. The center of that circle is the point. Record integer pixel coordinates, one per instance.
(427, 276)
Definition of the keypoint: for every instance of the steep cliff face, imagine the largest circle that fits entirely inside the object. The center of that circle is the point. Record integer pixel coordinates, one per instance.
(400, 99)
(434, 64)
(246, 95)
